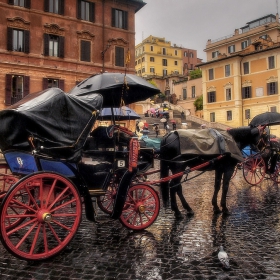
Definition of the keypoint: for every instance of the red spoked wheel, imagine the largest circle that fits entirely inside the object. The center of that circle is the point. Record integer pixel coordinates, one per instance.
(6, 180)
(238, 166)
(275, 177)
(106, 202)
(141, 207)
(49, 211)
(254, 170)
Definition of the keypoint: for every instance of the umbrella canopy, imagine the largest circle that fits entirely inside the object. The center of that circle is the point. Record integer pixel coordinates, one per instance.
(163, 120)
(115, 88)
(267, 118)
(152, 110)
(123, 113)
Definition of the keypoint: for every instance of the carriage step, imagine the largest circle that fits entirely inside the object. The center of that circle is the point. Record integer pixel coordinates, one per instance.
(97, 192)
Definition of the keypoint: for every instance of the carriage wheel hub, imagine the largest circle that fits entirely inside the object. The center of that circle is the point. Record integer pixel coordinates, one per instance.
(142, 208)
(47, 217)
(44, 216)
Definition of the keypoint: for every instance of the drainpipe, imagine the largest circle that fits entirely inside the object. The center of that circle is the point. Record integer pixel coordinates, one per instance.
(241, 90)
(103, 35)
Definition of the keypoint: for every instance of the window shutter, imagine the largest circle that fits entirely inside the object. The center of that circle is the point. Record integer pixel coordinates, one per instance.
(61, 84)
(45, 83)
(214, 96)
(46, 5)
(125, 20)
(9, 39)
(250, 92)
(113, 18)
(91, 12)
(26, 40)
(8, 92)
(11, 2)
(27, 4)
(61, 7)
(78, 9)
(46, 44)
(243, 93)
(208, 97)
(26, 83)
(268, 88)
(85, 51)
(276, 87)
(61, 46)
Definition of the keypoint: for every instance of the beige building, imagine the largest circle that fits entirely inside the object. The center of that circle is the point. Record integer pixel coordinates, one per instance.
(242, 84)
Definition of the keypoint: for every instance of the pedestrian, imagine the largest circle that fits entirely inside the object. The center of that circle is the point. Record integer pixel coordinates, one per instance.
(156, 130)
(182, 115)
(174, 126)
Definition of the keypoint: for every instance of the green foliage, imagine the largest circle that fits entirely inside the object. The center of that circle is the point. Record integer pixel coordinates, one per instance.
(198, 103)
(195, 74)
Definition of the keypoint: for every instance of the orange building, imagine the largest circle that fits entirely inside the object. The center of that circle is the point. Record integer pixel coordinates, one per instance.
(58, 43)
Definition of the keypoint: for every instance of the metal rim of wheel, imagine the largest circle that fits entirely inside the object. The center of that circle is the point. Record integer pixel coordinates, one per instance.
(50, 215)
(254, 170)
(106, 202)
(141, 207)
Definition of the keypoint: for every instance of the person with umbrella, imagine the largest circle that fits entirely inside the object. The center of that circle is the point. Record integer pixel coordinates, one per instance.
(156, 128)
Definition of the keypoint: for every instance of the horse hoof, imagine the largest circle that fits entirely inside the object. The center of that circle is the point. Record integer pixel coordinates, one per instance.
(217, 211)
(178, 216)
(190, 213)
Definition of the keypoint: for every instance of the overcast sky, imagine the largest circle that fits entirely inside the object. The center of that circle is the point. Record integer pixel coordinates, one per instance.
(190, 23)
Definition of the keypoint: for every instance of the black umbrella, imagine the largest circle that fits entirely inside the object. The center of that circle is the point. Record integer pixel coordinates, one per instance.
(267, 118)
(123, 113)
(115, 88)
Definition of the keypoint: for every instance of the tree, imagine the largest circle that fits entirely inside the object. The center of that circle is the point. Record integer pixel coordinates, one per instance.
(195, 74)
(198, 103)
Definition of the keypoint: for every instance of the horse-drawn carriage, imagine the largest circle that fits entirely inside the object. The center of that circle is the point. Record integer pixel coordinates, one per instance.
(58, 164)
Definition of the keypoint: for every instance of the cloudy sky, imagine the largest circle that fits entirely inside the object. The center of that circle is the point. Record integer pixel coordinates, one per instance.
(190, 23)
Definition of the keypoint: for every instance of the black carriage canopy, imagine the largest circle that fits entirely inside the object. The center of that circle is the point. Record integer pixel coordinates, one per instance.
(267, 118)
(117, 89)
(59, 122)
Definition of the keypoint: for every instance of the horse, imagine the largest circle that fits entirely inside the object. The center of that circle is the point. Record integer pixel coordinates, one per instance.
(173, 157)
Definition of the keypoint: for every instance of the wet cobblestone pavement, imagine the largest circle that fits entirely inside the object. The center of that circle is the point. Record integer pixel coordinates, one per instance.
(170, 249)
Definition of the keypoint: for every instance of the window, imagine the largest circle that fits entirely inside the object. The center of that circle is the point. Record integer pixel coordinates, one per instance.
(143, 59)
(49, 83)
(119, 19)
(184, 93)
(139, 61)
(18, 40)
(85, 10)
(85, 51)
(152, 48)
(175, 62)
(185, 54)
(143, 70)
(164, 62)
(21, 3)
(176, 52)
(246, 67)
(211, 96)
(53, 45)
(119, 56)
(191, 55)
(231, 49)
(152, 70)
(272, 88)
(246, 92)
(229, 115)
(215, 54)
(247, 114)
(212, 117)
(244, 44)
(17, 87)
(211, 74)
(228, 94)
(164, 51)
(152, 59)
(273, 109)
(164, 72)
(271, 63)
(227, 70)
(54, 6)
(135, 62)
(193, 91)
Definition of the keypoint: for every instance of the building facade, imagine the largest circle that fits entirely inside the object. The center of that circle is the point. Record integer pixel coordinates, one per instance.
(240, 85)
(60, 43)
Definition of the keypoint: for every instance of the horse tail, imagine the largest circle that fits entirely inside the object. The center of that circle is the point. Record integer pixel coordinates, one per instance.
(169, 149)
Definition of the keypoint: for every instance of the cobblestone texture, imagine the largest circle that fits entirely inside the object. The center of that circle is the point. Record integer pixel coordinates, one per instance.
(170, 249)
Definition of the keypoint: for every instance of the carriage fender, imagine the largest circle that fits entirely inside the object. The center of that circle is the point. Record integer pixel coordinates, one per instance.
(122, 193)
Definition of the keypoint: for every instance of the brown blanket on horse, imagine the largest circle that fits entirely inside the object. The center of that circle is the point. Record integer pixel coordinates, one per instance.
(208, 142)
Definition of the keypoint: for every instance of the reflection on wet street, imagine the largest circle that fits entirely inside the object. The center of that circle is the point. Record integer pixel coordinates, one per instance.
(170, 249)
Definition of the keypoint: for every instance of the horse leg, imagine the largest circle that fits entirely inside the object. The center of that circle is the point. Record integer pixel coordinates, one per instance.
(177, 186)
(164, 186)
(174, 206)
(226, 180)
(217, 186)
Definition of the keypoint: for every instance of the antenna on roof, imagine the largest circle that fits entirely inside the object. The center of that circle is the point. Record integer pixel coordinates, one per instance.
(277, 6)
